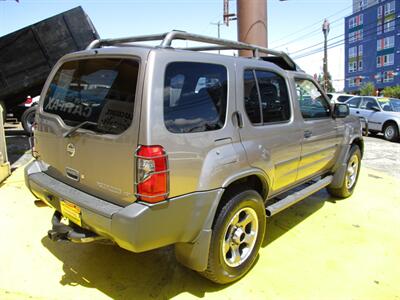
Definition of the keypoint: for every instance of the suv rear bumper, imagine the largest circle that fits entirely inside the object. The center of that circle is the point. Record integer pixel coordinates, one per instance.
(137, 227)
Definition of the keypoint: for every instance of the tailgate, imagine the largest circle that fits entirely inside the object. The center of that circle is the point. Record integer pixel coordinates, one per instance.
(87, 132)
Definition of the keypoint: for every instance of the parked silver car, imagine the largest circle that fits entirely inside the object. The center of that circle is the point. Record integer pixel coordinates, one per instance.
(155, 146)
(338, 97)
(382, 114)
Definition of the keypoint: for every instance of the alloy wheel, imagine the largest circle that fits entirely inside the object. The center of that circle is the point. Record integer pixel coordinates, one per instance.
(240, 237)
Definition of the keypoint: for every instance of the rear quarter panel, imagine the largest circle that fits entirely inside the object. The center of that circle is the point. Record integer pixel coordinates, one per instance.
(198, 161)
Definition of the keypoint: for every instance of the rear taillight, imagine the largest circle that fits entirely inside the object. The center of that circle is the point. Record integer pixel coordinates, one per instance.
(28, 100)
(152, 174)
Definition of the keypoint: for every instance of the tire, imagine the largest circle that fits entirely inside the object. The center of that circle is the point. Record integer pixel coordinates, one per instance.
(351, 176)
(3, 106)
(28, 118)
(231, 257)
(391, 132)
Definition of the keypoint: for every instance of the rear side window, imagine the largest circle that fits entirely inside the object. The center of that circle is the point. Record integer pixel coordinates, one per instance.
(195, 96)
(274, 97)
(251, 100)
(266, 98)
(354, 102)
(343, 98)
(101, 91)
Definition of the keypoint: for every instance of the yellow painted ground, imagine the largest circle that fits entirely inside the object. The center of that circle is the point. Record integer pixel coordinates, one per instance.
(318, 249)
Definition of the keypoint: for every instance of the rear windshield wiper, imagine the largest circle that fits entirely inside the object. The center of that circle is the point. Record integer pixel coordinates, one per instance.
(75, 128)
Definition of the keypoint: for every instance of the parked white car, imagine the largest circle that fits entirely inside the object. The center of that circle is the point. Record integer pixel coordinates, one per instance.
(382, 114)
(338, 97)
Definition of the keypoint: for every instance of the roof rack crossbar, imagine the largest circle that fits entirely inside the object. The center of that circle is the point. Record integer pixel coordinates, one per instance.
(112, 42)
(168, 37)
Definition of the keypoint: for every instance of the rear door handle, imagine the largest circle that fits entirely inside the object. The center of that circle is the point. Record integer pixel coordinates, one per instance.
(357, 112)
(307, 133)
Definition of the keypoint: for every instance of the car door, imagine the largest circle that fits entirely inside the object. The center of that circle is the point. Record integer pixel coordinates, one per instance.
(369, 109)
(320, 140)
(270, 135)
(354, 104)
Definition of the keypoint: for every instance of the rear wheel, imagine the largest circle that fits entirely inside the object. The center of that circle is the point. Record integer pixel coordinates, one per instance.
(237, 236)
(28, 118)
(391, 132)
(351, 176)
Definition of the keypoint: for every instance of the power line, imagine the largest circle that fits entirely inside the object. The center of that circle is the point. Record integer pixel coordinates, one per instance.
(368, 32)
(331, 39)
(312, 25)
(309, 34)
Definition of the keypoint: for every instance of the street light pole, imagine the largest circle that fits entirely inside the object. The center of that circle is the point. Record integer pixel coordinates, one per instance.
(218, 24)
(325, 30)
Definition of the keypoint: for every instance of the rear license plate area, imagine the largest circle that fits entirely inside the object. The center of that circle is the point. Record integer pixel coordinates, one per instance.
(71, 211)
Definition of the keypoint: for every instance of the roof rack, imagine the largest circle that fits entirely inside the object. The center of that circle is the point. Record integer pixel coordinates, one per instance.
(168, 37)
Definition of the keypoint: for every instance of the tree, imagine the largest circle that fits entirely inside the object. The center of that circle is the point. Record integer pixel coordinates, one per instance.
(368, 89)
(392, 91)
(320, 79)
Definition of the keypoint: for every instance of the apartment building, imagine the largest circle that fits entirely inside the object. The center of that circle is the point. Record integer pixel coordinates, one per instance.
(372, 39)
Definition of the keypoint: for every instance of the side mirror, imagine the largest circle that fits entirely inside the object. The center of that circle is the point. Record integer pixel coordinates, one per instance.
(375, 108)
(340, 110)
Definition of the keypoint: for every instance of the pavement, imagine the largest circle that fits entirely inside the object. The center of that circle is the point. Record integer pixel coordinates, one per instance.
(321, 248)
(382, 155)
(18, 149)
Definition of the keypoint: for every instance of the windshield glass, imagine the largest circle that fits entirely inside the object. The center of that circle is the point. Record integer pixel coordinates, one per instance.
(101, 91)
(390, 104)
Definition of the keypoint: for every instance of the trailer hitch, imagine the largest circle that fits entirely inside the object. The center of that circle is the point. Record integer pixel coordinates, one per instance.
(71, 232)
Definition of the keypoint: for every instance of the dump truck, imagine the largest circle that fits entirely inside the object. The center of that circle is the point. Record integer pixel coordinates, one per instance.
(28, 55)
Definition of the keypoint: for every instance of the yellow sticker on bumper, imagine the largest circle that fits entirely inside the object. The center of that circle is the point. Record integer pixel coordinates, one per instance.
(71, 211)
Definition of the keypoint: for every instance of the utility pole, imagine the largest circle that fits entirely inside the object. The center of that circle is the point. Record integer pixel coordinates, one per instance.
(218, 24)
(227, 15)
(252, 23)
(325, 30)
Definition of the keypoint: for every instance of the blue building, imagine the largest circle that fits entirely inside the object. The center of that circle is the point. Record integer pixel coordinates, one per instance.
(372, 39)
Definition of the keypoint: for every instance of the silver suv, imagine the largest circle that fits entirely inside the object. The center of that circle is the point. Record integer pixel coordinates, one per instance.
(154, 146)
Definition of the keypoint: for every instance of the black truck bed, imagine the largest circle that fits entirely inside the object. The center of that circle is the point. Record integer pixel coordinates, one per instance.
(27, 55)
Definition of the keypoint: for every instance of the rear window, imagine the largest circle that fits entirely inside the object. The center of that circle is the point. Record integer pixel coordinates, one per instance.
(101, 91)
(194, 97)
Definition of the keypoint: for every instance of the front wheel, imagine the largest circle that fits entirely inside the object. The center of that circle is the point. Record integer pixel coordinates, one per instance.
(237, 236)
(351, 176)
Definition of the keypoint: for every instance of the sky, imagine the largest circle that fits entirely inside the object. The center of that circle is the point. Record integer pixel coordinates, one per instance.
(293, 25)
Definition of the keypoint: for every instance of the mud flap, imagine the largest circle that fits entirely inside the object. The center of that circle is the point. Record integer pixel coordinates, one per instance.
(340, 171)
(195, 255)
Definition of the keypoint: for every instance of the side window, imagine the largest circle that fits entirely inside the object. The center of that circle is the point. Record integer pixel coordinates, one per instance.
(274, 96)
(343, 98)
(251, 99)
(267, 102)
(312, 103)
(354, 102)
(195, 96)
(368, 103)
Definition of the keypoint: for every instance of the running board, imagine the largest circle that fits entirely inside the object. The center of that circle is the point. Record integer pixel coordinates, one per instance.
(297, 196)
